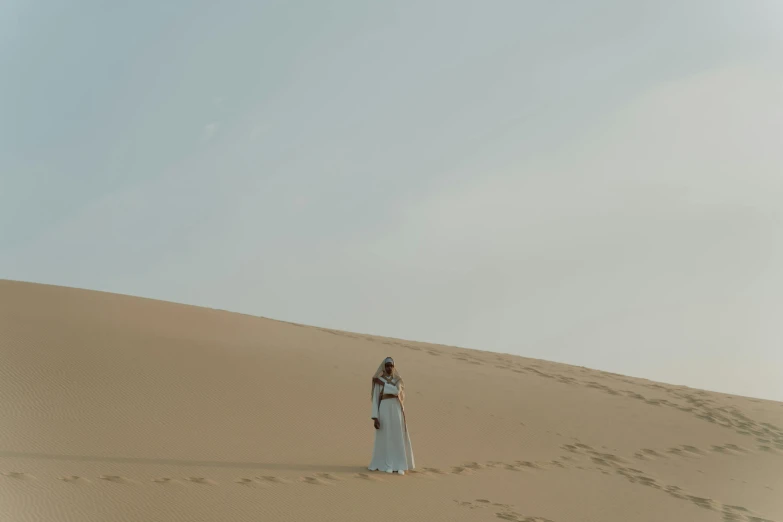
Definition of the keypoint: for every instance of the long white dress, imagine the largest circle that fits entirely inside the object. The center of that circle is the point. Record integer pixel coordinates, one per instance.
(392, 450)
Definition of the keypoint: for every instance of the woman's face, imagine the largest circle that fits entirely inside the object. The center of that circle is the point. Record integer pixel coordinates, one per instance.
(389, 367)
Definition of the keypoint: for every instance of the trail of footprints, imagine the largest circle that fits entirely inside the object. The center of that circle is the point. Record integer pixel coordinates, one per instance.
(698, 403)
(400, 344)
(320, 479)
(505, 513)
(580, 456)
(608, 463)
(769, 437)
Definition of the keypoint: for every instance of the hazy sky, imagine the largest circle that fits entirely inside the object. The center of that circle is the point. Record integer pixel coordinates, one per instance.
(598, 183)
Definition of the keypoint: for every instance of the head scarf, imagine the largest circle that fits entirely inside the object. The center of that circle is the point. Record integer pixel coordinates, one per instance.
(395, 376)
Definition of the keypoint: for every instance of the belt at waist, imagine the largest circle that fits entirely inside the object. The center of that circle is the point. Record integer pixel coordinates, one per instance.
(387, 396)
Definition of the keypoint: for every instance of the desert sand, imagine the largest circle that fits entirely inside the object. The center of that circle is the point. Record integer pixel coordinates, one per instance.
(117, 408)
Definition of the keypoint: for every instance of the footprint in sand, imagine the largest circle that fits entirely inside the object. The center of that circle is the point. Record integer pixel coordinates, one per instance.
(614, 459)
(164, 480)
(328, 476)
(528, 464)
(516, 517)
(75, 479)
(599, 461)
(18, 475)
(704, 503)
(480, 503)
(650, 454)
(200, 480)
(115, 479)
(314, 481)
(435, 471)
(367, 476)
(727, 449)
(735, 513)
(523, 465)
(274, 480)
(649, 482)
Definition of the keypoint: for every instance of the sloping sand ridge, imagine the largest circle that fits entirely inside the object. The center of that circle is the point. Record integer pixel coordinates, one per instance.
(116, 408)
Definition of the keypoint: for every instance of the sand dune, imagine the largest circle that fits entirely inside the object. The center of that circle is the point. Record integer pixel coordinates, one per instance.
(116, 408)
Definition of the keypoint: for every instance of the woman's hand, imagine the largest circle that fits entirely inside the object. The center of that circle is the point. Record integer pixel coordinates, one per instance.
(377, 424)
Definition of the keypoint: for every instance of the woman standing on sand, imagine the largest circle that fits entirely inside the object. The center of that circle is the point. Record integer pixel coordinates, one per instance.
(392, 451)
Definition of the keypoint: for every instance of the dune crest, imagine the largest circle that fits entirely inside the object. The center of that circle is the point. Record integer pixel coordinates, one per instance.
(122, 408)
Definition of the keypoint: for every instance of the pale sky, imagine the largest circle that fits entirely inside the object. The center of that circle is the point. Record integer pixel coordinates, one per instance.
(598, 183)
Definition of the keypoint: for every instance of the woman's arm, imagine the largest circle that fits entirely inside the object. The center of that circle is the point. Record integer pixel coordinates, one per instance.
(376, 394)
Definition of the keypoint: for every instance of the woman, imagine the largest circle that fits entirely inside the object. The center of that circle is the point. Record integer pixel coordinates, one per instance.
(392, 451)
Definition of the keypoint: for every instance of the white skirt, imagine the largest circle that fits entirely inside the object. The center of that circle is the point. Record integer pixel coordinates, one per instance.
(392, 450)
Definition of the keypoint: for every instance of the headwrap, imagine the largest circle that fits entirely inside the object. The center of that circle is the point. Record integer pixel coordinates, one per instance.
(395, 377)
